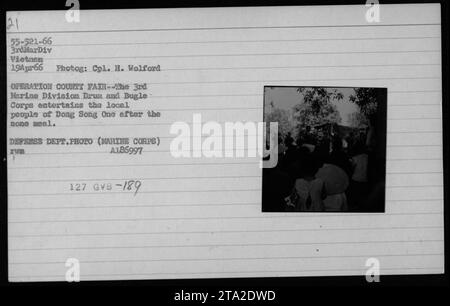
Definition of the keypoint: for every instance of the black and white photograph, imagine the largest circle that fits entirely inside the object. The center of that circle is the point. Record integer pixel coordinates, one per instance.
(331, 149)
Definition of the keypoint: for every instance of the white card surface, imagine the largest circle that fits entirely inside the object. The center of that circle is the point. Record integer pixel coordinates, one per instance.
(201, 217)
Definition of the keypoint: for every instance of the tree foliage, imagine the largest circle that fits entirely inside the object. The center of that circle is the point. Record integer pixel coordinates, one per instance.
(280, 116)
(318, 97)
(316, 107)
(306, 115)
(367, 100)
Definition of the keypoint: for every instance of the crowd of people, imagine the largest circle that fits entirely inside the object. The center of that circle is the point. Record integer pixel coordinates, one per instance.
(325, 171)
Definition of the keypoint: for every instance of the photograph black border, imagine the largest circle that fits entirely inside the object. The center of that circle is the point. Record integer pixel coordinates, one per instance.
(383, 112)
